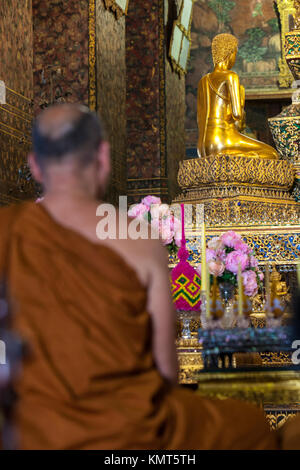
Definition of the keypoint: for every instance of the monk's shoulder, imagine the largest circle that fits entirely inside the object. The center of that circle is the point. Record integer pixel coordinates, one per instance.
(151, 252)
(8, 215)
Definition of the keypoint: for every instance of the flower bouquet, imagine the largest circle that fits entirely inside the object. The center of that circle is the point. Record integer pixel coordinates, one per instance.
(160, 217)
(224, 255)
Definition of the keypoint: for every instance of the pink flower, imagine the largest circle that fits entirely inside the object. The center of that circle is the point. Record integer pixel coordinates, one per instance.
(253, 262)
(236, 258)
(215, 244)
(216, 268)
(250, 283)
(176, 225)
(210, 255)
(178, 238)
(167, 234)
(159, 211)
(138, 210)
(230, 238)
(239, 245)
(221, 254)
(150, 200)
(177, 231)
(261, 275)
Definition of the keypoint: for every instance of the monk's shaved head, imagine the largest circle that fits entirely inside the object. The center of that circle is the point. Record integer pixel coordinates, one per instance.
(66, 130)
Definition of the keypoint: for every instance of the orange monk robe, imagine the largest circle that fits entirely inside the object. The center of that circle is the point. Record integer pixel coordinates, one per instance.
(290, 434)
(91, 382)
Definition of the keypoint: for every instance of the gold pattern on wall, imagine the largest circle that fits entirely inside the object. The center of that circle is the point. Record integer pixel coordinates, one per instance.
(16, 112)
(15, 144)
(92, 56)
(286, 11)
(119, 7)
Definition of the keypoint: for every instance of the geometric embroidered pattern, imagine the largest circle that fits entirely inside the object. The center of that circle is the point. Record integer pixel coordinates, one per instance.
(186, 289)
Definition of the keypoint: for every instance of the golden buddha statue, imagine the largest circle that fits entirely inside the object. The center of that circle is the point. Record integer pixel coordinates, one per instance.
(278, 287)
(221, 101)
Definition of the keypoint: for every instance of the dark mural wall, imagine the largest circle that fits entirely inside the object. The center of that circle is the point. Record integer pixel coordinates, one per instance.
(62, 60)
(61, 39)
(16, 59)
(141, 99)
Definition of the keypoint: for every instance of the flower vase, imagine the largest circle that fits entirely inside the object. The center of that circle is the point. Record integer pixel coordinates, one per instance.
(227, 291)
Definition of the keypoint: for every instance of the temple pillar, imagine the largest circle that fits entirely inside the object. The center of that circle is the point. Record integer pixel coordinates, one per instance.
(155, 105)
(111, 92)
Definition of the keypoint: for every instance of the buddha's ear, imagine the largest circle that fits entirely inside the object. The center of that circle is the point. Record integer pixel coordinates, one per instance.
(35, 168)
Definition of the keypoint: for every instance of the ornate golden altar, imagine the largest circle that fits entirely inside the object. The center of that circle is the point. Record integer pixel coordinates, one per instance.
(278, 392)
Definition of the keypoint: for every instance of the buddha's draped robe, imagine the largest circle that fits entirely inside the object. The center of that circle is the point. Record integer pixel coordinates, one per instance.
(91, 380)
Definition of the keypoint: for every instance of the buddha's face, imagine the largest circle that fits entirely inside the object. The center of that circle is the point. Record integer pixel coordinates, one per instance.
(232, 59)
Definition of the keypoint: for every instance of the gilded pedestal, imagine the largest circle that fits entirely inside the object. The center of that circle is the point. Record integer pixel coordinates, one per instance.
(277, 392)
(240, 189)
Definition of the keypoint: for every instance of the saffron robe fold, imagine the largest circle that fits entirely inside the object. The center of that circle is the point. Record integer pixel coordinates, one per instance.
(91, 381)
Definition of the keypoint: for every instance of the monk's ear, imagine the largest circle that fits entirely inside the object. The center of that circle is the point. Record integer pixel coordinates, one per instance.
(104, 159)
(35, 168)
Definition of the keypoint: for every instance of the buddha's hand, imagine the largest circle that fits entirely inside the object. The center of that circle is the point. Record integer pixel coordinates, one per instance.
(241, 123)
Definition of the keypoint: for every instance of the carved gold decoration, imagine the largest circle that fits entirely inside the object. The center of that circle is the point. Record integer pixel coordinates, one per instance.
(292, 52)
(276, 359)
(278, 417)
(240, 189)
(260, 387)
(279, 244)
(279, 287)
(286, 131)
(190, 362)
(92, 56)
(19, 95)
(197, 172)
(119, 7)
(286, 9)
(15, 144)
(258, 320)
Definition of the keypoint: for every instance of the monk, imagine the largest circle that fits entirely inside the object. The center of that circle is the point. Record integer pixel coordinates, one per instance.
(98, 316)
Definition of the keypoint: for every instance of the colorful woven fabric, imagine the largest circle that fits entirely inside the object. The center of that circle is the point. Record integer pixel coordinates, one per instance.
(185, 281)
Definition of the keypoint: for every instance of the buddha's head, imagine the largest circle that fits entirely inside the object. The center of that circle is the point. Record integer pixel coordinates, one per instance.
(224, 49)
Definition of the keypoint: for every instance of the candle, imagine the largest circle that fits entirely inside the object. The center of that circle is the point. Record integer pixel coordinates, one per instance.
(207, 276)
(267, 288)
(240, 291)
(203, 260)
(298, 273)
(214, 294)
